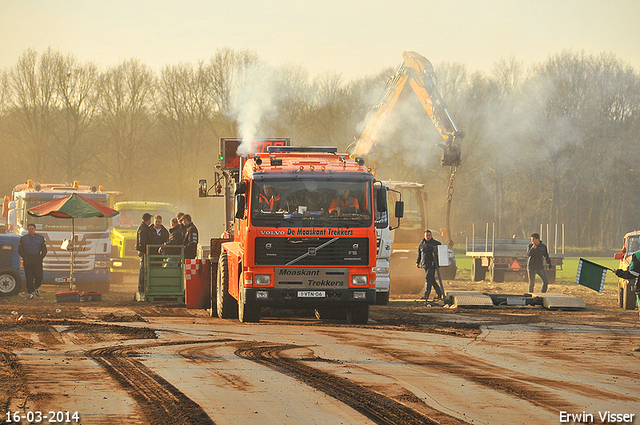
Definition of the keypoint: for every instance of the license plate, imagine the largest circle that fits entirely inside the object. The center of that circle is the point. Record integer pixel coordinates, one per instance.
(310, 294)
(63, 279)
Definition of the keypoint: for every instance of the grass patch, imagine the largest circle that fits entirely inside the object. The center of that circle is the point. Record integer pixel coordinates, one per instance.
(565, 283)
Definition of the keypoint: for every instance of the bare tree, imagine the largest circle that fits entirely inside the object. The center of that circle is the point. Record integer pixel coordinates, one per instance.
(76, 92)
(184, 111)
(32, 83)
(125, 120)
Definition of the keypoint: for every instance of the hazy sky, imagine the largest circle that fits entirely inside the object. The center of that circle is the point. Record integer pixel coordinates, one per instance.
(353, 38)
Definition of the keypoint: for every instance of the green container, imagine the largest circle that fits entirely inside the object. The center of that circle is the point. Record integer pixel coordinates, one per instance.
(164, 274)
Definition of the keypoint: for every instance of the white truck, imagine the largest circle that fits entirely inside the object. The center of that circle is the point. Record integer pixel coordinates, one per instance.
(92, 235)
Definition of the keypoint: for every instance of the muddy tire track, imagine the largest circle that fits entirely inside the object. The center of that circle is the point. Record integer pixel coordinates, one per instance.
(12, 378)
(160, 401)
(377, 407)
(528, 388)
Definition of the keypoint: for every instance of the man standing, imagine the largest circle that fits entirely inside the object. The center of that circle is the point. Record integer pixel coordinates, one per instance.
(428, 260)
(144, 237)
(32, 248)
(159, 232)
(536, 253)
(190, 238)
(176, 237)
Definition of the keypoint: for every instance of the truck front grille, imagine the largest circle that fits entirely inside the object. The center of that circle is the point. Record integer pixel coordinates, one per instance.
(305, 252)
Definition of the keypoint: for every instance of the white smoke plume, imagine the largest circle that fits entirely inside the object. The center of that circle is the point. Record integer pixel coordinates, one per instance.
(254, 98)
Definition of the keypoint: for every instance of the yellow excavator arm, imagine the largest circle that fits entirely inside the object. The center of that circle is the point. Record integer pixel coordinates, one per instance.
(418, 72)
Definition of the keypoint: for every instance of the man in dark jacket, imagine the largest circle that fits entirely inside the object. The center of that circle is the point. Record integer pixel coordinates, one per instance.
(176, 237)
(158, 231)
(32, 248)
(428, 260)
(190, 238)
(536, 253)
(144, 237)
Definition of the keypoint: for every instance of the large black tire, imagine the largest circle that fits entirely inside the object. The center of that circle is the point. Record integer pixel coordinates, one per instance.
(382, 298)
(551, 274)
(358, 314)
(477, 271)
(448, 273)
(213, 291)
(497, 275)
(227, 305)
(628, 296)
(248, 312)
(10, 282)
(620, 296)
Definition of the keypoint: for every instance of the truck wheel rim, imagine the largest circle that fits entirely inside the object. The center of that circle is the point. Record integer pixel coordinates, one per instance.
(7, 283)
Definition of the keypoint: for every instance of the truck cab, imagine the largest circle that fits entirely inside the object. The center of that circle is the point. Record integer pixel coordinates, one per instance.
(303, 236)
(91, 262)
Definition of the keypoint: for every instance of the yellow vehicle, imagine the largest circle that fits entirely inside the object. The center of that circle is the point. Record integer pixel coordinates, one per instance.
(124, 257)
(626, 289)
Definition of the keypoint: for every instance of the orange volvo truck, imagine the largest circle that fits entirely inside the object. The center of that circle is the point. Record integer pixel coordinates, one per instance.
(303, 234)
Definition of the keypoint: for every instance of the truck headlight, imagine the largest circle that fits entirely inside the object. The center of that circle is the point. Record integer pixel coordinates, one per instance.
(116, 264)
(102, 264)
(359, 279)
(381, 270)
(262, 279)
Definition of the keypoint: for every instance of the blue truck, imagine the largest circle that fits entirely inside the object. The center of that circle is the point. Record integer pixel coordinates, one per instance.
(10, 273)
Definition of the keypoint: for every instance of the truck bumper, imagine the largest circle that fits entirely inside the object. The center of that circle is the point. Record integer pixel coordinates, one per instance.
(125, 265)
(291, 298)
(95, 275)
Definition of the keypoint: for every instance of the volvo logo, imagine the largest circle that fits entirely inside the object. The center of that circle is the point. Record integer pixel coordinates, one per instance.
(355, 246)
(312, 251)
(268, 245)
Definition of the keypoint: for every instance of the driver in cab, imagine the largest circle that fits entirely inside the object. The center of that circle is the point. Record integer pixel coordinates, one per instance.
(268, 200)
(342, 202)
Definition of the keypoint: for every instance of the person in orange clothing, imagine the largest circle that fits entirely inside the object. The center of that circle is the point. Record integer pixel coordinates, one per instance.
(342, 201)
(269, 200)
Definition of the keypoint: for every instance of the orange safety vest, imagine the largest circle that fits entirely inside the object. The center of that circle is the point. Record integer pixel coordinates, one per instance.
(271, 202)
(338, 202)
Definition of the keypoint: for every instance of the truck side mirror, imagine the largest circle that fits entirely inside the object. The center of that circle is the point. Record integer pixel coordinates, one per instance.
(240, 203)
(12, 218)
(241, 188)
(381, 199)
(202, 190)
(399, 209)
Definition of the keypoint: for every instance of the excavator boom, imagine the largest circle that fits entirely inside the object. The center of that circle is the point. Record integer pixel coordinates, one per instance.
(418, 72)
(415, 72)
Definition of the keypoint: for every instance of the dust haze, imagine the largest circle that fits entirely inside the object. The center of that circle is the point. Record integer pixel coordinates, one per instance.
(545, 144)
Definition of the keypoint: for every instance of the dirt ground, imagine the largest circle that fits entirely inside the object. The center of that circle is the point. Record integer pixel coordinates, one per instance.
(118, 361)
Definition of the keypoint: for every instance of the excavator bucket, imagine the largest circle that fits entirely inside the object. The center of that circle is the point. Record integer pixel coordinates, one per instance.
(450, 155)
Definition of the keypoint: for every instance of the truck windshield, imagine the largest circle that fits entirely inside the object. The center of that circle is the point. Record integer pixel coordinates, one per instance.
(53, 224)
(633, 243)
(131, 218)
(311, 203)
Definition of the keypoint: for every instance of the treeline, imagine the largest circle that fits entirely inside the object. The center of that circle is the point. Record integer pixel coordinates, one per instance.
(553, 143)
